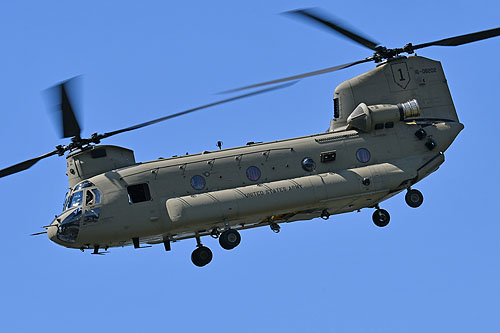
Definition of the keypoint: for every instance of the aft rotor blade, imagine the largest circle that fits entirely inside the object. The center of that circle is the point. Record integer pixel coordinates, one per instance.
(178, 114)
(463, 39)
(300, 76)
(321, 19)
(25, 165)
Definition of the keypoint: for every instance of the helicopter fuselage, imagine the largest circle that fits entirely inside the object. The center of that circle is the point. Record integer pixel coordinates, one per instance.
(361, 161)
(256, 185)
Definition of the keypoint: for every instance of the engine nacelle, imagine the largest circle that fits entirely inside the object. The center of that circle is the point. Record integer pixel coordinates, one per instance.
(367, 118)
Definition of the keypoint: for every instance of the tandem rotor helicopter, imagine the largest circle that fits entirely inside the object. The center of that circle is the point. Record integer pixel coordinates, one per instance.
(390, 129)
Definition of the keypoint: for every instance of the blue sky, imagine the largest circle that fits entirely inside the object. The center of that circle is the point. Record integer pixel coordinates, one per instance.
(434, 268)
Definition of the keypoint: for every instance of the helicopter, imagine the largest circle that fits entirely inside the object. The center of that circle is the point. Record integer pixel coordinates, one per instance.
(390, 129)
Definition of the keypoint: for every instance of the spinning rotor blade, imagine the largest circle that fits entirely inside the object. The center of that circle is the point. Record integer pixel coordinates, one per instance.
(178, 114)
(314, 15)
(463, 39)
(74, 129)
(70, 124)
(60, 102)
(300, 76)
(25, 165)
(381, 53)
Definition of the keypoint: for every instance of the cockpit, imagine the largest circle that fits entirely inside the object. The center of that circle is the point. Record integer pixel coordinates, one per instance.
(74, 198)
(82, 206)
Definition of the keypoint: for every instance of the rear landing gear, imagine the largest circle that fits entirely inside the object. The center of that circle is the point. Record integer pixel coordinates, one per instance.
(414, 198)
(381, 217)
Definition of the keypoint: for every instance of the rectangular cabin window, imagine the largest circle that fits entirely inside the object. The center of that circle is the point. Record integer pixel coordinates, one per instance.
(336, 108)
(138, 193)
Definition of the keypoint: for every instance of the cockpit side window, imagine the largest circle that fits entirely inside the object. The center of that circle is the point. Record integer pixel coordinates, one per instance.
(89, 198)
(97, 196)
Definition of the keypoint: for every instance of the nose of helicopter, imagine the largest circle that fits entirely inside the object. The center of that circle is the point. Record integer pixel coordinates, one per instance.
(52, 231)
(54, 227)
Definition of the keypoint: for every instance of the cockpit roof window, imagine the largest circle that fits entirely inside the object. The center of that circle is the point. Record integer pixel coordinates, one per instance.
(83, 184)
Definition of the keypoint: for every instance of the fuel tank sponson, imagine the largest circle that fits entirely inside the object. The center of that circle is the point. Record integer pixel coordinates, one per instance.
(284, 195)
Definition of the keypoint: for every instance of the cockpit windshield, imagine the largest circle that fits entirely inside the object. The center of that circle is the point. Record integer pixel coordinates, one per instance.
(82, 208)
(75, 200)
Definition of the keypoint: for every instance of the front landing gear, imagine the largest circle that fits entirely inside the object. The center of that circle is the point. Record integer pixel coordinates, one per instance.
(381, 217)
(202, 255)
(414, 198)
(229, 239)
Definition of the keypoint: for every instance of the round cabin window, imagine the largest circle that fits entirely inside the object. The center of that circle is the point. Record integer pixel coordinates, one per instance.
(198, 182)
(363, 155)
(308, 164)
(253, 173)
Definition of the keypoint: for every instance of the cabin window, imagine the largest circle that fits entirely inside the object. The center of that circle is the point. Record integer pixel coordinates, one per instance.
(138, 193)
(363, 155)
(308, 164)
(253, 173)
(198, 182)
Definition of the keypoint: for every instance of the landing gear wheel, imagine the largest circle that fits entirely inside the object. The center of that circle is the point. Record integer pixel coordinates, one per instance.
(414, 198)
(229, 239)
(381, 217)
(201, 256)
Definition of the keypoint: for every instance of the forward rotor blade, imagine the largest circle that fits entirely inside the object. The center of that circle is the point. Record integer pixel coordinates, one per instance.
(25, 165)
(315, 16)
(71, 127)
(300, 76)
(58, 100)
(178, 114)
(463, 39)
